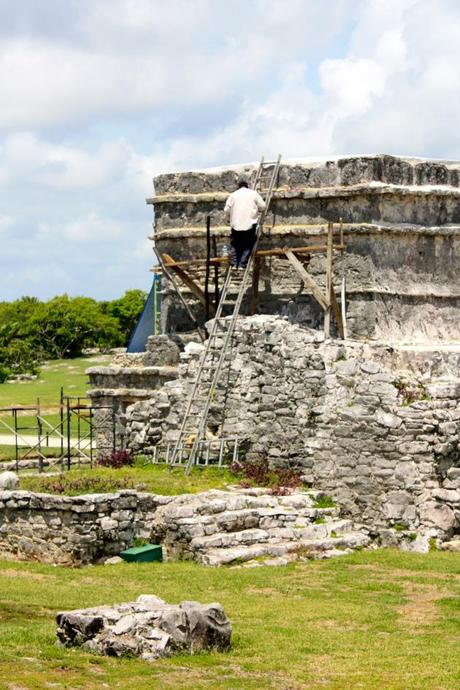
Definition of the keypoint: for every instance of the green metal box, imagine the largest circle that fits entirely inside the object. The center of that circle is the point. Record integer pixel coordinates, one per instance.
(143, 554)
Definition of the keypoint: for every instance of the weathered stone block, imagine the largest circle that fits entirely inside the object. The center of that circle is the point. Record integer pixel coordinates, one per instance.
(147, 627)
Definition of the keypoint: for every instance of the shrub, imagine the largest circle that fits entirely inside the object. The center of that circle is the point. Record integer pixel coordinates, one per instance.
(117, 459)
(259, 473)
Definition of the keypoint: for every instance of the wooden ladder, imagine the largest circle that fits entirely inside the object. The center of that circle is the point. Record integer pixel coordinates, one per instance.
(217, 353)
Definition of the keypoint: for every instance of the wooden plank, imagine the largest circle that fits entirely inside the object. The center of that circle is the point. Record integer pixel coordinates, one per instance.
(297, 250)
(337, 314)
(255, 284)
(260, 252)
(187, 280)
(307, 278)
(327, 313)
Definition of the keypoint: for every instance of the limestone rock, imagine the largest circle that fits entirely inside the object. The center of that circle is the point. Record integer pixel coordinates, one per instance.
(9, 481)
(439, 515)
(453, 545)
(147, 627)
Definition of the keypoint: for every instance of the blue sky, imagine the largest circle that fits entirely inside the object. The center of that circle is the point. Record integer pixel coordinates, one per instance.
(98, 96)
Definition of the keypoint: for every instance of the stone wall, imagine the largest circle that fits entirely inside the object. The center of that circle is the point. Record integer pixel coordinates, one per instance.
(214, 527)
(131, 377)
(73, 530)
(384, 443)
(401, 219)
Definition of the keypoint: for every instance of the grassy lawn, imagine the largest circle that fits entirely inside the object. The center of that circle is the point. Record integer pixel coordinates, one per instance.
(154, 478)
(69, 373)
(381, 620)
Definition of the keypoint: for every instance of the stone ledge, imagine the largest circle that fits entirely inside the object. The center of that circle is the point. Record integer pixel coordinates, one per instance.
(165, 371)
(316, 230)
(373, 189)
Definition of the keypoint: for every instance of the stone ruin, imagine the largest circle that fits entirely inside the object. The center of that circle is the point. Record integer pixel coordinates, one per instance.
(401, 222)
(373, 420)
(213, 527)
(148, 627)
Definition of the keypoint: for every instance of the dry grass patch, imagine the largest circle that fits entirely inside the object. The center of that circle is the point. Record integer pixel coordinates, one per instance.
(420, 610)
(12, 572)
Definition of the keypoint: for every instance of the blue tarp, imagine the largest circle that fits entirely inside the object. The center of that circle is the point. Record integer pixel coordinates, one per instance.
(148, 320)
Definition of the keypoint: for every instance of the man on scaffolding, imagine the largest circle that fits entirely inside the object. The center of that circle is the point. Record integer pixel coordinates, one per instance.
(242, 209)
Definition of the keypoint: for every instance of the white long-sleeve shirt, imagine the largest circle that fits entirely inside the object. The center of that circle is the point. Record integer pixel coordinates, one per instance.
(243, 207)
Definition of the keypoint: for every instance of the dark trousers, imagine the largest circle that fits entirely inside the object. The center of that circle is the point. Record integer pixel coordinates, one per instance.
(241, 245)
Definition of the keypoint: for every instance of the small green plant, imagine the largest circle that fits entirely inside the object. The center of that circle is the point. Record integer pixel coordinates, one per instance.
(432, 544)
(412, 536)
(399, 527)
(334, 534)
(319, 521)
(324, 502)
(139, 541)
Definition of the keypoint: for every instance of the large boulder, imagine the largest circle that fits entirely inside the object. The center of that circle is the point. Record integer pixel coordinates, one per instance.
(148, 627)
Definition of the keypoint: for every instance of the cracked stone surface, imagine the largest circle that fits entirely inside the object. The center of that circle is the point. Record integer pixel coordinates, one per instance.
(148, 627)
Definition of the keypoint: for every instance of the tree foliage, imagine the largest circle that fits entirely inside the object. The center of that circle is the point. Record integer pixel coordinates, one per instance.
(126, 310)
(32, 331)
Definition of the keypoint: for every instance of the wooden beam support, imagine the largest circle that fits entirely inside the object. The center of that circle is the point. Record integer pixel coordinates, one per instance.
(329, 289)
(187, 280)
(297, 250)
(337, 314)
(171, 278)
(260, 252)
(255, 284)
(306, 277)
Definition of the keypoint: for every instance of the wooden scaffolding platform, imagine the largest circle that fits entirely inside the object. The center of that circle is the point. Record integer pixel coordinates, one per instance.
(326, 299)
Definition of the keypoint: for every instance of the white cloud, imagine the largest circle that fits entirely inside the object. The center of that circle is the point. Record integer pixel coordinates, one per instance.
(27, 157)
(6, 224)
(99, 98)
(352, 85)
(141, 56)
(90, 230)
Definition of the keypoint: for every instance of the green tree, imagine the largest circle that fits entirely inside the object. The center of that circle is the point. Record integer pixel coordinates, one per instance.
(64, 326)
(32, 331)
(126, 310)
(19, 353)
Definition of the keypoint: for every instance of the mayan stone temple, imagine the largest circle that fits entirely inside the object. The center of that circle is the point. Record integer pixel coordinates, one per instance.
(335, 352)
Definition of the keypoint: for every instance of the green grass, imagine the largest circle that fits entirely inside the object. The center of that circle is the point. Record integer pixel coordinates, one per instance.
(7, 453)
(69, 373)
(325, 502)
(154, 478)
(373, 620)
(66, 373)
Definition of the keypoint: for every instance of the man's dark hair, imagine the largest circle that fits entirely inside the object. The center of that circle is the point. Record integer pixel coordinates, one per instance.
(242, 183)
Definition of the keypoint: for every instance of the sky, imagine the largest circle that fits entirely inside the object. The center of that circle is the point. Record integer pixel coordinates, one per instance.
(99, 96)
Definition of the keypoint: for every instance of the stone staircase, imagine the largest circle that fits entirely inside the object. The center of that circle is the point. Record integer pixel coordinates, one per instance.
(252, 525)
